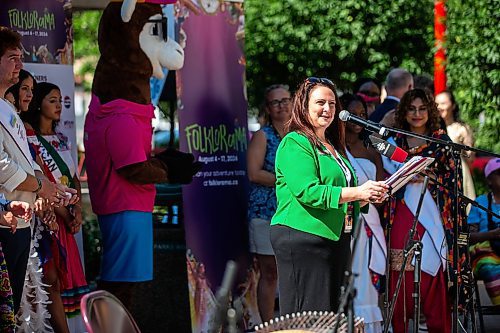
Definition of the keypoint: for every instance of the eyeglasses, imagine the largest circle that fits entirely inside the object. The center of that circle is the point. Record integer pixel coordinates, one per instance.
(280, 102)
(160, 28)
(313, 79)
(422, 109)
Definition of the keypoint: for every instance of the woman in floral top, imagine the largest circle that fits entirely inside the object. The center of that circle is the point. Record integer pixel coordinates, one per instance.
(262, 201)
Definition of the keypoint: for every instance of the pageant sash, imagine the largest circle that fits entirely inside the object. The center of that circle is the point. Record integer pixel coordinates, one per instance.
(379, 247)
(434, 241)
(14, 126)
(54, 163)
(372, 219)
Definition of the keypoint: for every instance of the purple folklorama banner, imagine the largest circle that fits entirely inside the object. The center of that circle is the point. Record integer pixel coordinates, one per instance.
(46, 27)
(213, 122)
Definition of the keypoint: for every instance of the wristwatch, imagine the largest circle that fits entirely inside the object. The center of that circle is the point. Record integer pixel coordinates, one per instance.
(39, 182)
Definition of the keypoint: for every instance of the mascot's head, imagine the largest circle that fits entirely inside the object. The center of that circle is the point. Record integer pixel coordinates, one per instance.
(134, 46)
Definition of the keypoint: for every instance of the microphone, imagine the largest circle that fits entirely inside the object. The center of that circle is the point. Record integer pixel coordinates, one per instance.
(388, 150)
(345, 115)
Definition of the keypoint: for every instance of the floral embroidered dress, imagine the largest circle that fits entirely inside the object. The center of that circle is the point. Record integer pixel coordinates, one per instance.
(443, 169)
(7, 323)
(59, 167)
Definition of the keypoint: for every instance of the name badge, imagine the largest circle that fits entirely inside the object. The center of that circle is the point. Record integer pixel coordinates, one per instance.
(348, 220)
(348, 224)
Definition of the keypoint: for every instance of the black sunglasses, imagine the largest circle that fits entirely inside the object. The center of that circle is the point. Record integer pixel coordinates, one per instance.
(160, 24)
(324, 80)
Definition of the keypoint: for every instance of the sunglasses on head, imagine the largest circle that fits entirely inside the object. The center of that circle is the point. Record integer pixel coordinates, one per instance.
(324, 80)
(160, 28)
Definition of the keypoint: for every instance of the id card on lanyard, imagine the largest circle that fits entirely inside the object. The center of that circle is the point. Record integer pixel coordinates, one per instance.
(348, 219)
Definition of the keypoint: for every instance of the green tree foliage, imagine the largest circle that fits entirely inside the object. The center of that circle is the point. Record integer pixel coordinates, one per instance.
(86, 24)
(473, 71)
(287, 41)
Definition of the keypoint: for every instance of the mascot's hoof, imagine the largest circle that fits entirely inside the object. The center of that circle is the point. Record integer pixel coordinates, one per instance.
(181, 167)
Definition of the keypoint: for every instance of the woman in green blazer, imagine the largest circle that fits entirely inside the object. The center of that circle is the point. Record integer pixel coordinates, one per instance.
(318, 200)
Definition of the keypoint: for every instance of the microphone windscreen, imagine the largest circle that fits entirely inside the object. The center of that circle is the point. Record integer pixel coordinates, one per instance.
(344, 115)
(385, 148)
(399, 155)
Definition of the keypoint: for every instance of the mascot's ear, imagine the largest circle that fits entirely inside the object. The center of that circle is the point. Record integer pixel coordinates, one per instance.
(128, 8)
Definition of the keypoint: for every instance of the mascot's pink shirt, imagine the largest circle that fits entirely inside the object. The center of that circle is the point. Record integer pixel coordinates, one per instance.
(117, 134)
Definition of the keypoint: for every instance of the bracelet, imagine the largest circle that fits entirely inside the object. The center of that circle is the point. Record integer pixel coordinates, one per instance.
(39, 182)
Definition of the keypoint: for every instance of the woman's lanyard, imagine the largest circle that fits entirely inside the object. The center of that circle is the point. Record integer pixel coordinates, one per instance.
(348, 221)
(345, 169)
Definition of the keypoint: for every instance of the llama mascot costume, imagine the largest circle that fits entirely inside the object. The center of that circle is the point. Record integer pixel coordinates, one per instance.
(121, 172)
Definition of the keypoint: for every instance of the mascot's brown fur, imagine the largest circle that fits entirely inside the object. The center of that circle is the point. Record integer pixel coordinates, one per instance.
(123, 71)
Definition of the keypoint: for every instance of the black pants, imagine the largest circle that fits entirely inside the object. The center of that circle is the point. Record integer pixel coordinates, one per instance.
(310, 269)
(16, 249)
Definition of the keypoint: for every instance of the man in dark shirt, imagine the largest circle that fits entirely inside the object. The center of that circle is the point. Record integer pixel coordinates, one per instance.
(398, 82)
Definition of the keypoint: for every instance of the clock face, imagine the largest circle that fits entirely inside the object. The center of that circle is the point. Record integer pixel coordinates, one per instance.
(209, 6)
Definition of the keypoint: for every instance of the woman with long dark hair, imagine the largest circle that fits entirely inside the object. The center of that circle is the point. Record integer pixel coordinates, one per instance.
(318, 201)
(459, 132)
(417, 113)
(54, 150)
(369, 260)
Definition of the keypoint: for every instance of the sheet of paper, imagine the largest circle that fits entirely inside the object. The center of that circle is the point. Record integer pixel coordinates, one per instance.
(409, 170)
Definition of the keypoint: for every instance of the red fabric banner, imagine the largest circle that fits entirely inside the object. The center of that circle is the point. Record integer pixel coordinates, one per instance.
(440, 39)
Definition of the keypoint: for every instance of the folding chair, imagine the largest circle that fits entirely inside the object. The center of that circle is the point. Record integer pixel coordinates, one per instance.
(104, 313)
(484, 310)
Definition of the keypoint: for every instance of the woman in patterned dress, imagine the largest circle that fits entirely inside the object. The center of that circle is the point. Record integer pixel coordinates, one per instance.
(54, 150)
(417, 113)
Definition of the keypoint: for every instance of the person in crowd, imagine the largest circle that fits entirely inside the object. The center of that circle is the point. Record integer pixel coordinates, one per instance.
(397, 83)
(369, 259)
(369, 90)
(53, 266)
(459, 132)
(262, 116)
(424, 82)
(318, 201)
(417, 113)
(67, 280)
(21, 178)
(21, 93)
(8, 212)
(485, 233)
(261, 155)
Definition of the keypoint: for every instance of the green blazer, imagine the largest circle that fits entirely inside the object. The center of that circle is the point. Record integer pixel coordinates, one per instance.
(308, 187)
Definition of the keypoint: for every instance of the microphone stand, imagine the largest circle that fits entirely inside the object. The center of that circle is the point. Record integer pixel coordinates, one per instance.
(416, 246)
(456, 152)
(388, 263)
(348, 290)
(223, 313)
